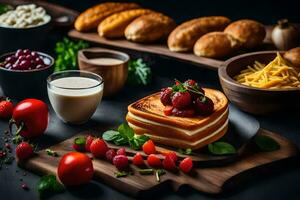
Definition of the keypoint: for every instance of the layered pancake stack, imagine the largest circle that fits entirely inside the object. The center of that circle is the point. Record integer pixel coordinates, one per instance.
(146, 116)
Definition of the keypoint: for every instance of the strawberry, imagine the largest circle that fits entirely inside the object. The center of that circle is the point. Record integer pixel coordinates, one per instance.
(153, 161)
(99, 148)
(120, 161)
(121, 151)
(88, 141)
(204, 105)
(6, 109)
(169, 163)
(138, 159)
(186, 165)
(24, 151)
(186, 112)
(171, 154)
(168, 110)
(79, 144)
(181, 99)
(149, 147)
(165, 96)
(110, 154)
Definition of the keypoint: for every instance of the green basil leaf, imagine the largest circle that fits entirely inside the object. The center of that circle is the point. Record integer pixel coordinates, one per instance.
(126, 130)
(266, 143)
(110, 135)
(48, 185)
(221, 148)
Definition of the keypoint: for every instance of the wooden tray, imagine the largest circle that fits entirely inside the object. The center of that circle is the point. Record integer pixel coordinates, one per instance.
(211, 180)
(157, 49)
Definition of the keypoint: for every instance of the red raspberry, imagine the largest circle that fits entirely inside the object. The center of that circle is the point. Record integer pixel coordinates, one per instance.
(165, 96)
(121, 151)
(168, 163)
(187, 112)
(204, 105)
(149, 147)
(153, 161)
(168, 110)
(181, 99)
(88, 142)
(138, 159)
(171, 154)
(186, 165)
(24, 151)
(98, 148)
(120, 161)
(110, 154)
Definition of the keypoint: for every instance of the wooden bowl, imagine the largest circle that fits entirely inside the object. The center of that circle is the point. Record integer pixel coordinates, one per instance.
(114, 75)
(251, 99)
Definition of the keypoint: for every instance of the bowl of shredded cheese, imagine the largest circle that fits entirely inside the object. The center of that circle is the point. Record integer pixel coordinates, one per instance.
(261, 82)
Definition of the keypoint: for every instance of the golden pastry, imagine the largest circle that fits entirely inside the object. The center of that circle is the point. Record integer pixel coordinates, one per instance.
(184, 36)
(90, 18)
(249, 32)
(215, 45)
(149, 28)
(114, 25)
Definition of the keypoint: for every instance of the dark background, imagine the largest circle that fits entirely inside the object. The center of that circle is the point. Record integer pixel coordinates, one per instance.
(266, 11)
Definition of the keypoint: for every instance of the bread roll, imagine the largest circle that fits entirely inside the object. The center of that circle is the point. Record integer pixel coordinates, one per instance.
(149, 28)
(249, 32)
(293, 56)
(184, 36)
(114, 25)
(215, 45)
(90, 18)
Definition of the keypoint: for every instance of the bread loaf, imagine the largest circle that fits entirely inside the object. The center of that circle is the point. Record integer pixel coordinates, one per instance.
(149, 28)
(90, 18)
(249, 32)
(215, 45)
(184, 36)
(293, 56)
(114, 25)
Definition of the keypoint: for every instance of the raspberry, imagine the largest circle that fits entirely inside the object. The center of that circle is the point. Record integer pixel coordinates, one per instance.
(181, 99)
(24, 151)
(168, 163)
(165, 96)
(138, 159)
(110, 154)
(149, 147)
(171, 154)
(98, 148)
(88, 142)
(120, 161)
(153, 161)
(121, 151)
(186, 165)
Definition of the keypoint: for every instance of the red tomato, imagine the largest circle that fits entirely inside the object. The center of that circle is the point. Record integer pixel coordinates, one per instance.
(31, 117)
(75, 169)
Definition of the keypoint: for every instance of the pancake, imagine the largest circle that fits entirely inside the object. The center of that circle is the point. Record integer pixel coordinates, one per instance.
(146, 117)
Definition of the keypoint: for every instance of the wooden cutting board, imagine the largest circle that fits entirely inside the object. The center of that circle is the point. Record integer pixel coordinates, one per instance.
(213, 179)
(159, 49)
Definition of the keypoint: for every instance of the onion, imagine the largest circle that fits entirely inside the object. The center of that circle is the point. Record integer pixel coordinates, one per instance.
(285, 36)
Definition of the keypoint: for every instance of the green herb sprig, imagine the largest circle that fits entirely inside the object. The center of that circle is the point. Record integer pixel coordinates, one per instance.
(187, 151)
(48, 185)
(125, 135)
(51, 153)
(139, 72)
(4, 8)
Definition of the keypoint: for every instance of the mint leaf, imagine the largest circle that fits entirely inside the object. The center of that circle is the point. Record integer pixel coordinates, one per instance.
(139, 72)
(137, 141)
(110, 135)
(48, 185)
(125, 130)
(265, 143)
(221, 148)
(187, 151)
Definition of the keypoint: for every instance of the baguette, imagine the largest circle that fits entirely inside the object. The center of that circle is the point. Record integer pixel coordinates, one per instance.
(90, 18)
(184, 36)
(149, 28)
(114, 25)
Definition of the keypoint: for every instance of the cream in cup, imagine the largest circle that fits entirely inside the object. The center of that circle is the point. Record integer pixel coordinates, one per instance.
(75, 94)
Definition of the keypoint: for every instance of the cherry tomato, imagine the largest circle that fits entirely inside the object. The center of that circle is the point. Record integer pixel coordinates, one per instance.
(75, 169)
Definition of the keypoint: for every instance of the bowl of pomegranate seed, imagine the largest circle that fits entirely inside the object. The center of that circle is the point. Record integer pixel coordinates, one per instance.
(23, 73)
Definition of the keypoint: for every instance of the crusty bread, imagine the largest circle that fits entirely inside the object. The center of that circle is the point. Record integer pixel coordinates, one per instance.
(146, 117)
(149, 28)
(90, 18)
(184, 36)
(249, 32)
(215, 45)
(114, 25)
(293, 56)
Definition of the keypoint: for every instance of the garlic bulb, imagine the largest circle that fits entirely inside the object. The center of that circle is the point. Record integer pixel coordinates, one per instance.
(285, 36)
